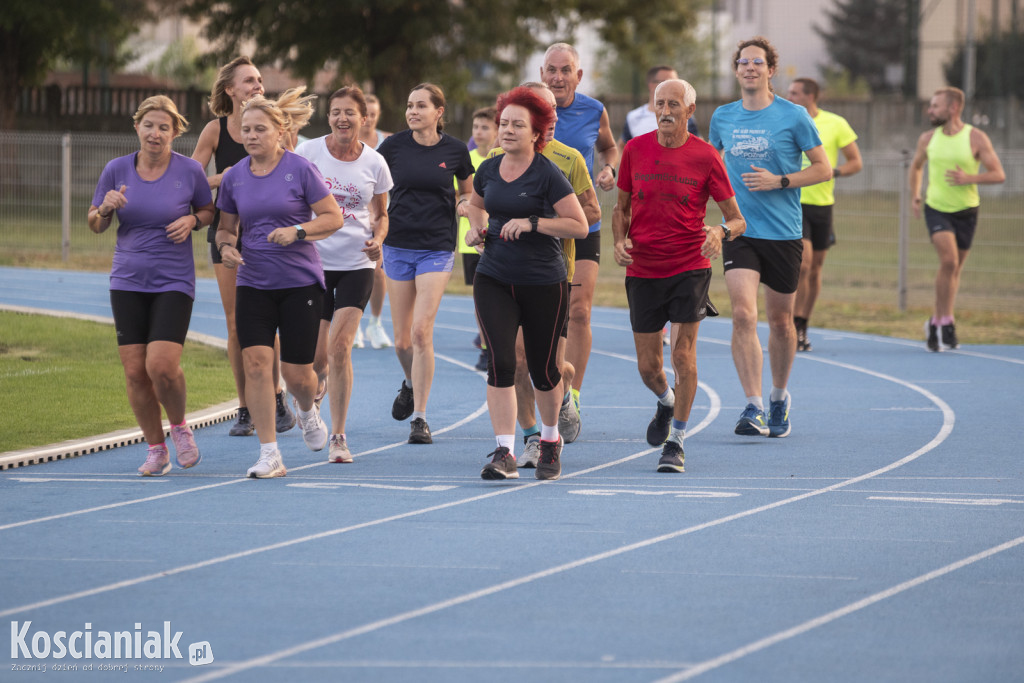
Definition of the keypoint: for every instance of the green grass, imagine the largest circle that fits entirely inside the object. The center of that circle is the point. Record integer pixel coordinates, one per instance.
(69, 370)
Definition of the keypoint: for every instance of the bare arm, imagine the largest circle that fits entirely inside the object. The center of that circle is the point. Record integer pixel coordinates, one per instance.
(205, 149)
(327, 221)
(762, 180)
(853, 163)
(378, 224)
(622, 214)
(591, 207)
(608, 152)
(101, 216)
(985, 153)
(714, 234)
(916, 168)
(226, 240)
(179, 229)
(477, 215)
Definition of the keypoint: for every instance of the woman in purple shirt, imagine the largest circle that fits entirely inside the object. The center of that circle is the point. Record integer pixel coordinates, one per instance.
(275, 193)
(159, 197)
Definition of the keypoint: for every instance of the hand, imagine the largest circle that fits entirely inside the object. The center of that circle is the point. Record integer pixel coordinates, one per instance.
(514, 228)
(915, 205)
(462, 208)
(283, 236)
(372, 249)
(113, 200)
(179, 230)
(761, 180)
(475, 238)
(957, 176)
(605, 180)
(712, 247)
(230, 257)
(622, 250)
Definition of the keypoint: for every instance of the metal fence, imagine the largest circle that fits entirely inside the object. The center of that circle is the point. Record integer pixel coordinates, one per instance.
(47, 181)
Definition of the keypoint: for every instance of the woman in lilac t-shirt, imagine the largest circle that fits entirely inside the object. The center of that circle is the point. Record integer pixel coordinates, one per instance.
(160, 197)
(275, 193)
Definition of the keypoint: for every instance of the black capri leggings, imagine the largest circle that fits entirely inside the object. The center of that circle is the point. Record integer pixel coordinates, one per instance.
(540, 309)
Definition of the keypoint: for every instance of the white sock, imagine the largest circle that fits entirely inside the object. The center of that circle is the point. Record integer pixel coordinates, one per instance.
(507, 441)
(779, 394)
(305, 414)
(668, 398)
(418, 413)
(757, 401)
(549, 433)
(676, 435)
(268, 448)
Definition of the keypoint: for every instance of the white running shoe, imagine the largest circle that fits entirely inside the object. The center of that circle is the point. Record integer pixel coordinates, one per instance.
(378, 337)
(267, 467)
(339, 450)
(531, 454)
(314, 431)
(357, 342)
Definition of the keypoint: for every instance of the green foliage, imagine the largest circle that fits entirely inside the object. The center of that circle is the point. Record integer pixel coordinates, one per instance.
(865, 37)
(999, 66)
(34, 35)
(182, 63)
(72, 368)
(395, 44)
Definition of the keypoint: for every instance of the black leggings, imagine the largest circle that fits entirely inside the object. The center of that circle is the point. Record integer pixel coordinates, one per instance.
(540, 309)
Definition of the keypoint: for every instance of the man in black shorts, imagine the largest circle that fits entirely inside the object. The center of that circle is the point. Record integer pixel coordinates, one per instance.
(661, 238)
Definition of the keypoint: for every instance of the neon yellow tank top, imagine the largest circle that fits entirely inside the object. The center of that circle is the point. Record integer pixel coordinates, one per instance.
(945, 153)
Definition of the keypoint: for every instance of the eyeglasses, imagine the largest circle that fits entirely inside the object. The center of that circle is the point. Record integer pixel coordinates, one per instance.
(743, 61)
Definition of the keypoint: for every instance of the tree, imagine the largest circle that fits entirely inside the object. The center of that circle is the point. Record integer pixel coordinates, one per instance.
(999, 67)
(34, 34)
(867, 38)
(395, 44)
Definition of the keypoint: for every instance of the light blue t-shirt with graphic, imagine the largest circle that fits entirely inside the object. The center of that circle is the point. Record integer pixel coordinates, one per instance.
(772, 138)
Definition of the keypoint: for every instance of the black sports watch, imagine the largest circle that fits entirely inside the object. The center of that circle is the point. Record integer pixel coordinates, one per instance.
(533, 222)
(726, 233)
(784, 181)
(300, 234)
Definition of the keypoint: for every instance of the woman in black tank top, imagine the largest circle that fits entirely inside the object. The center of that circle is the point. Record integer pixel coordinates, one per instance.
(237, 81)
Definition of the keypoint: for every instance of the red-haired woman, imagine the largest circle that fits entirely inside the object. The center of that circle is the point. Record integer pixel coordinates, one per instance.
(521, 207)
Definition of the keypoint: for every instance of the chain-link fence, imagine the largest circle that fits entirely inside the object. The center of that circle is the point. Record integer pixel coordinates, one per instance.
(47, 181)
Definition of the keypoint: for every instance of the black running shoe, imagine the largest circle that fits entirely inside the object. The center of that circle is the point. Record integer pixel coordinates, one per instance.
(949, 338)
(285, 417)
(932, 336)
(402, 408)
(672, 458)
(483, 361)
(802, 344)
(549, 466)
(243, 425)
(501, 466)
(657, 430)
(419, 431)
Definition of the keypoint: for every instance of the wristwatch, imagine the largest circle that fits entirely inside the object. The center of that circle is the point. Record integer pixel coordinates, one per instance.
(784, 181)
(726, 233)
(300, 234)
(533, 223)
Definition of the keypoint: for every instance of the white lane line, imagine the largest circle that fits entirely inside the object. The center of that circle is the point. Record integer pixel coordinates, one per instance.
(757, 646)
(943, 433)
(708, 419)
(331, 485)
(110, 506)
(947, 501)
(639, 492)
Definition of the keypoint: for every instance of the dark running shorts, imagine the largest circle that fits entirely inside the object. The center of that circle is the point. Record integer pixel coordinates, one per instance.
(143, 317)
(777, 261)
(818, 226)
(961, 223)
(681, 298)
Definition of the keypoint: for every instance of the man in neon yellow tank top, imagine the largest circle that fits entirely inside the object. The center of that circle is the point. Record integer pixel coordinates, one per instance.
(816, 200)
(954, 151)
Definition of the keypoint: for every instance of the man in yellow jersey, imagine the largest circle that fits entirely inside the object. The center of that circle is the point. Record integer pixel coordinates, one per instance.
(954, 151)
(485, 134)
(816, 200)
(572, 165)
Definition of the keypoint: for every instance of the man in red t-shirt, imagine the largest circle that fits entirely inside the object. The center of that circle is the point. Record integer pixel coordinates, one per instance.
(665, 179)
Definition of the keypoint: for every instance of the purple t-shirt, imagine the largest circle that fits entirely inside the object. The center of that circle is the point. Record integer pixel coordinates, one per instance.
(278, 200)
(145, 258)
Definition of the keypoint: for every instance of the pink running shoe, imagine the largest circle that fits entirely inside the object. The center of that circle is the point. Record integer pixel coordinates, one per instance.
(158, 462)
(185, 447)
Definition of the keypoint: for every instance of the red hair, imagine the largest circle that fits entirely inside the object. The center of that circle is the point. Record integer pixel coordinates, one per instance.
(542, 115)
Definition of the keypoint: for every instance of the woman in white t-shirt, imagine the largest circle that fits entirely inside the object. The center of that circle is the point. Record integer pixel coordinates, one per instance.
(360, 180)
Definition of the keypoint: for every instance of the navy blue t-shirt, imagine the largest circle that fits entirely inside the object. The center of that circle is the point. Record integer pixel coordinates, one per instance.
(534, 258)
(421, 213)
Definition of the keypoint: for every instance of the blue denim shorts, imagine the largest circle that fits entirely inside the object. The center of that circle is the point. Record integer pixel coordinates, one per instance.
(406, 264)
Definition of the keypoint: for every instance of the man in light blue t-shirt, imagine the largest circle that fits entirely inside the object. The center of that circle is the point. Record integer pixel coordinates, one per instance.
(761, 138)
(583, 124)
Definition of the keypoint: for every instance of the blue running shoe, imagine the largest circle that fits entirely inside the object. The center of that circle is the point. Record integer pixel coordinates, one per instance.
(752, 422)
(778, 418)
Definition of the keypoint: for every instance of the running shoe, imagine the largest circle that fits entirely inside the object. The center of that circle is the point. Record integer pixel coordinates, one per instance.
(378, 337)
(672, 458)
(657, 429)
(802, 344)
(483, 361)
(949, 338)
(402, 408)
(666, 335)
(569, 423)
(358, 341)
(314, 431)
(752, 422)
(931, 332)
(267, 467)
(419, 431)
(158, 462)
(531, 454)
(339, 449)
(501, 466)
(185, 449)
(778, 418)
(243, 425)
(477, 342)
(285, 416)
(549, 466)
(321, 391)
